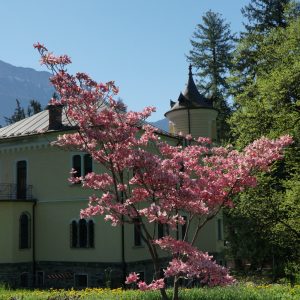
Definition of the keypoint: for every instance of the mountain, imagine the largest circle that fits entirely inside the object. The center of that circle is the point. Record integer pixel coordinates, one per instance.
(23, 84)
(26, 84)
(162, 124)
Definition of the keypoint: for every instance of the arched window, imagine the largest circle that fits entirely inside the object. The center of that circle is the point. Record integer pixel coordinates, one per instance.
(24, 231)
(87, 164)
(82, 164)
(82, 234)
(91, 230)
(21, 179)
(160, 231)
(77, 165)
(74, 234)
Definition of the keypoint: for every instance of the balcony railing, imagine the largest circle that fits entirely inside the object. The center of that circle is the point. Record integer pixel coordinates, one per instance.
(11, 191)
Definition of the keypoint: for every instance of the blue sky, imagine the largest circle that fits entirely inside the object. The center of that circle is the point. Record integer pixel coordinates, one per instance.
(140, 44)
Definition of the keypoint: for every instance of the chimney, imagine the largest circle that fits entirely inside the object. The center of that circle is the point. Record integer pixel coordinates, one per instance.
(55, 116)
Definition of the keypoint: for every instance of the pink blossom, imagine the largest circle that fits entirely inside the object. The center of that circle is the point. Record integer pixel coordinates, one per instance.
(40, 47)
(154, 285)
(132, 278)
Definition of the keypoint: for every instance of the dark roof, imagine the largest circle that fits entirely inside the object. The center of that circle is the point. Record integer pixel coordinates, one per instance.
(191, 98)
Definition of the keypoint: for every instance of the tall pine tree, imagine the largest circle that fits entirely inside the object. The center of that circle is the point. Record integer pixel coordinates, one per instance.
(212, 45)
(19, 114)
(263, 15)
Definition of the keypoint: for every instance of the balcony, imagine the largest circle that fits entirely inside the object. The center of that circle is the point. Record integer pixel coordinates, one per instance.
(11, 191)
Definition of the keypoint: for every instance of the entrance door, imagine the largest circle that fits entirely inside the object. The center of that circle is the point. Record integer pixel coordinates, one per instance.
(21, 179)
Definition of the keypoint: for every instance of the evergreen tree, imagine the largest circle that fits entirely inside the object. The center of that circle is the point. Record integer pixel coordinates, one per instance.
(263, 15)
(269, 105)
(212, 45)
(33, 108)
(20, 114)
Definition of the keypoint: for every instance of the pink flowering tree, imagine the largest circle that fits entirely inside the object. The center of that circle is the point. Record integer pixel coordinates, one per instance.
(146, 180)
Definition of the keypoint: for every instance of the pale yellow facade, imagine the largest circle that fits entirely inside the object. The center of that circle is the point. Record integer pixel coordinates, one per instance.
(54, 205)
(197, 122)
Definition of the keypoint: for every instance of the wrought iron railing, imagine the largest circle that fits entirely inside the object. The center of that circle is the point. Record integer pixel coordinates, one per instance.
(11, 191)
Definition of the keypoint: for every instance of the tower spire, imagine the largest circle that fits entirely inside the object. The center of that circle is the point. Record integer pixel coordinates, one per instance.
(192, 113)
(190, 70)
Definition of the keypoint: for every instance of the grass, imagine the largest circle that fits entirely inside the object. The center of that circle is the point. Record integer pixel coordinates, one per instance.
(237, 292)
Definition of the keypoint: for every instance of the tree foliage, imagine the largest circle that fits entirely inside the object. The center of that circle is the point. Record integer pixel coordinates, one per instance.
(263, 15)
(268, 105)
(212, 45)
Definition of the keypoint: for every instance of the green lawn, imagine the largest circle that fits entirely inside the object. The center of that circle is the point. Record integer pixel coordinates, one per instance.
(241, 292)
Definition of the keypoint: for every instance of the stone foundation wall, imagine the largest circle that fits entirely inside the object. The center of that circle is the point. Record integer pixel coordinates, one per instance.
(16, 275)
(63, 274)
(50, 274)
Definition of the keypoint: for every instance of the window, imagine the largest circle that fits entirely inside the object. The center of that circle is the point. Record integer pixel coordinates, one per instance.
(24, 231)
(77, 165)
(74, 234)
(87, 164)
(82, 234)
(91, 229)
(82, 164)
(220, 231)
(81, 280)
(21, 179)
(162, 230)
(137, 232)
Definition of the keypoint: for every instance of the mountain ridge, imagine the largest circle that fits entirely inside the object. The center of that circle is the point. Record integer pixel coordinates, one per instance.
(24, 84)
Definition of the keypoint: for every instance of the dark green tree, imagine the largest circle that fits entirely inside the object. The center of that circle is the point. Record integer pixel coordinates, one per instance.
(33, 108)
(212, 45)
(269, 105)
(20, 114)
(263, 15)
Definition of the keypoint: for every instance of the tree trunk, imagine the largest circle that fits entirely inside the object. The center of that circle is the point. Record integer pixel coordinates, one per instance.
(175, 289)
(163, 293)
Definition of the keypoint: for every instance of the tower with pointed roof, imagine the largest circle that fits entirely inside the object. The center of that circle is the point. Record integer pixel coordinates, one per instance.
(192, 113)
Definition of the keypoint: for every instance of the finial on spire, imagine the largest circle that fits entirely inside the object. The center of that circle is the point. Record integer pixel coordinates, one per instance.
(190, 70)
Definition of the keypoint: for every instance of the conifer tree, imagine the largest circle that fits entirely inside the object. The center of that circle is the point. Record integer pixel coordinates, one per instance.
(33, 108)
(263, 15)
(212, 44)
(19, 114)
